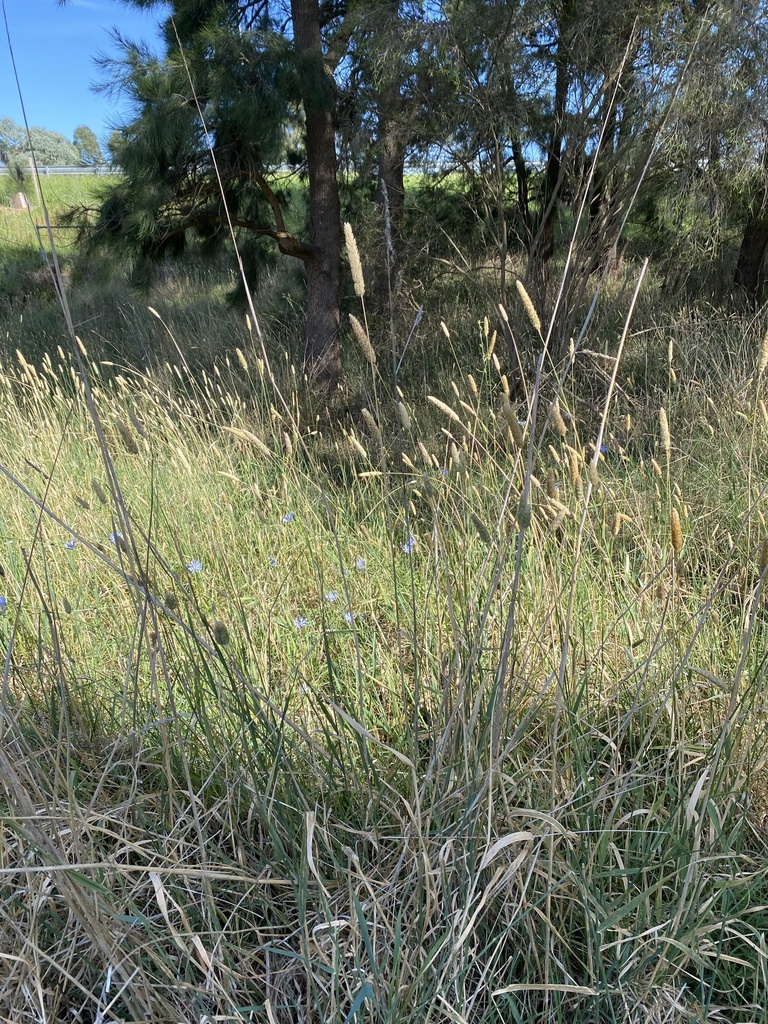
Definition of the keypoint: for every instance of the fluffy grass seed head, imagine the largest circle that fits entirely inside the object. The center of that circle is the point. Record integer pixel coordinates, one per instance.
(528, 305)
(676, 531)
(363, 340)
(355, 444)
(355, 265)
(557, 419)
(446, 409)
(371, 423)
(405, 419)
(761, 366)
(510, 418)
(762, 559)
(129, 441)
(666, 437)
(98, 490)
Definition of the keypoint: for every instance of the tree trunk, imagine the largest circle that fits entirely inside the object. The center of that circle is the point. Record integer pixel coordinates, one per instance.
(391, 199)
(754, 243)
(323, 347)
(523, 196)
(543, 248)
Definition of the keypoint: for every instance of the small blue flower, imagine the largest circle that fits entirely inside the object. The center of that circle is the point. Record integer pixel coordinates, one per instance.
(195, 566)
(70, 544)
(116, 537)
(3, 605)
(300, 622)
(349, 617)
(289, 517)
(409, 545)
(360, 564)
(272, 561)
(603, 448)
(331, 596)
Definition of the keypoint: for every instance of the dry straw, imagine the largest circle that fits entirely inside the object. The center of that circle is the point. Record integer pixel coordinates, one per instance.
(528, 305)
(362, 337)
(354, 261)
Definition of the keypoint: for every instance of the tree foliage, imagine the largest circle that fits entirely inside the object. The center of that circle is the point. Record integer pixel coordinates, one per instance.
(548, 112)
(87, 146)
(49, 148)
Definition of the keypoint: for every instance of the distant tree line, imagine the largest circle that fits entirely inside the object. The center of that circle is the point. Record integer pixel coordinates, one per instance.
(528, 108)
(49, 148)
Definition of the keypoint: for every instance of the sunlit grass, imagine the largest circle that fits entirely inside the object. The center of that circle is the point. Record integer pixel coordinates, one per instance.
(327, 721)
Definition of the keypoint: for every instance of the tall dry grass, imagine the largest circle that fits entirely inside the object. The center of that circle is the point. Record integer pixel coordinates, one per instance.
(452, 710)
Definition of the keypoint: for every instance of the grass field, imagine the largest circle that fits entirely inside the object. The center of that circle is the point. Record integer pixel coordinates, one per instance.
(432, 707)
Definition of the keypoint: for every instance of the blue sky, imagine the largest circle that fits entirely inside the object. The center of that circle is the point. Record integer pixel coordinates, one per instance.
(54, 49)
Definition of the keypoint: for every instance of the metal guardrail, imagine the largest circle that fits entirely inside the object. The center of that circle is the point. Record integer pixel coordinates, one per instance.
(103, 169)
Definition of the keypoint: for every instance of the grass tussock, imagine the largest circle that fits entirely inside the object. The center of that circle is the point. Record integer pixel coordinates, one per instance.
(448, 709)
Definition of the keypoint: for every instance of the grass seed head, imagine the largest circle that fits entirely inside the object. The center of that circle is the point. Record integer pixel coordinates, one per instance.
(482, 530)
(355, 265)
(666, 437)
(371, 423)
(98, 490)
(363, 340)
(510, 417)
(129, 441)
(676, 531)
(220, 633)
(557, 419)
(762, 560)
(405, 419)
(761, 366)
(528, 305)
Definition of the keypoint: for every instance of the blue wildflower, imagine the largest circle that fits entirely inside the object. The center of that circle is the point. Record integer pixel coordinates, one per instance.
(331, 596)
(300, 622)
(116, 537)
(70, 544)
(409, 545)
(3, 605)
(272, 561)
(360, 564)
(195, 566)
(289, 517)
(349, 617)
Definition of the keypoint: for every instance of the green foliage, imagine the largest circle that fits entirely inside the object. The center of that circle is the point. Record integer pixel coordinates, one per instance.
(88, 146)
(49, 148)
